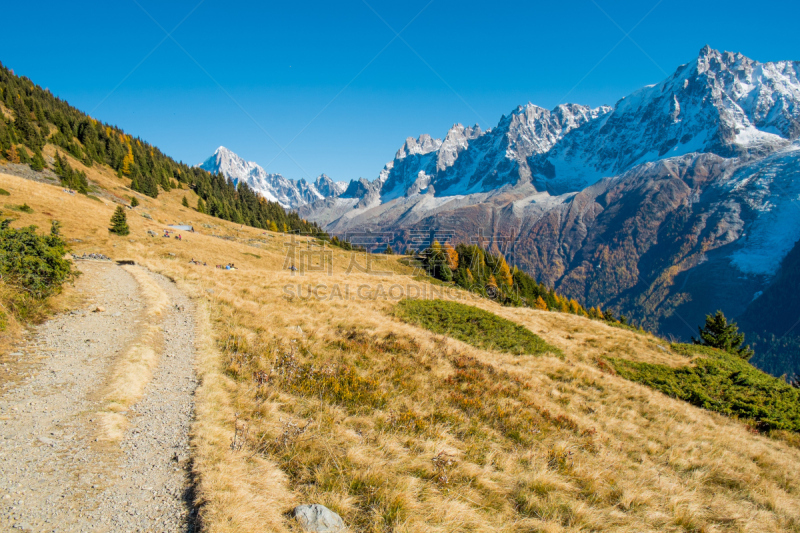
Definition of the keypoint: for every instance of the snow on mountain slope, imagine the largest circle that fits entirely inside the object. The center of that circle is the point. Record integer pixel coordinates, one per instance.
(770, 189)
(470, 161)
(289, 193)
(721, 102)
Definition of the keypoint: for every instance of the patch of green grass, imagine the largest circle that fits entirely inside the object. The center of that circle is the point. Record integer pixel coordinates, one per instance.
(721, 382)
(4, 192)
(24, 208)
(474, 326)
(252, 255)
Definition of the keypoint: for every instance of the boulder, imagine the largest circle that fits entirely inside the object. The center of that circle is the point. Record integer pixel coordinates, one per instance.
(318, 518)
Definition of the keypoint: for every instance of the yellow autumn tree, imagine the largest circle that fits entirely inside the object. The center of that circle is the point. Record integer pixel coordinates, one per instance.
(273, 227)
(503, 272)
(451, 256)
(127, 161)
(575, 308)
(12, 155)
(540, 304)
(492, 283)
(470, 277)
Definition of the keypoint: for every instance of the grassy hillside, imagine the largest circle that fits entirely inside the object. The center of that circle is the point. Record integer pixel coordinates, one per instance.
(314, 391)
(37, 129)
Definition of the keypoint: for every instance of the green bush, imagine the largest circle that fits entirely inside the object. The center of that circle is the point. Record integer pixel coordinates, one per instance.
(33, 262)
(23, 208)
(723, 382)
(4, 192)
(474, 326)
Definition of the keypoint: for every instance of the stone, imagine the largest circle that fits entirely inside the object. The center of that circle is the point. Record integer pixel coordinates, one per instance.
(318, 518)
(99, 309)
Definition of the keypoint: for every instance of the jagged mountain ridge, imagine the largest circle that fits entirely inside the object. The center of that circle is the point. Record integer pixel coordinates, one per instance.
(289, 193)
(722, 102)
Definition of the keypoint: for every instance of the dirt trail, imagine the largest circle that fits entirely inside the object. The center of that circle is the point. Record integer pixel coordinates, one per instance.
(55, 475)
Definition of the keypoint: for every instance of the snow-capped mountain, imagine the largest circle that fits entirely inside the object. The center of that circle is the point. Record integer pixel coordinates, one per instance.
(469, 160)
(326, 187)
(289, 193)
(681, 199)
(721, 102)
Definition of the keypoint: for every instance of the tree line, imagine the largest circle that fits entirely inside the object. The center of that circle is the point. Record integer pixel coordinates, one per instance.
(478, 270)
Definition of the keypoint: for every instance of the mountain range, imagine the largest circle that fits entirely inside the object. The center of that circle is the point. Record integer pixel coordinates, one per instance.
(289, 193)
(682, 198)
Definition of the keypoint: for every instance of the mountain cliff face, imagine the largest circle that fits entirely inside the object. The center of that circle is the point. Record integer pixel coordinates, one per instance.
(681, 199)
(289, 193)
(721, 103)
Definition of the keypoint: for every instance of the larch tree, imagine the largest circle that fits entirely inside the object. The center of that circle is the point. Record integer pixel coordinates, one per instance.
(504, 272)
(451, 256)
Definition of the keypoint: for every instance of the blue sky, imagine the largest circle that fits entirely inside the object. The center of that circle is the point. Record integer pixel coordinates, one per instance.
(335, 87)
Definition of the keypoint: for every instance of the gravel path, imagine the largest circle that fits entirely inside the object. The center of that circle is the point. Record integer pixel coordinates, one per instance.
(54, 474)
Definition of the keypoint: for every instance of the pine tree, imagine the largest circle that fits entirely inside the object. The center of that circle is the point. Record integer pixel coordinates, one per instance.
(23, 155)
(201, 206)
(388, 250)
(134, 201)
(119, 222)
(185, 202)
(718, 333)
(37, 163)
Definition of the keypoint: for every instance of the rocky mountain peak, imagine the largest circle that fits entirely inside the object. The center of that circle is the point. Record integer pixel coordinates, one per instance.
(425, 144)
(289, 193)
(456, 140)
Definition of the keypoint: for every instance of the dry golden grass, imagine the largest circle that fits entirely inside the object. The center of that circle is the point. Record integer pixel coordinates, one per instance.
(133, 370)
(399, 429)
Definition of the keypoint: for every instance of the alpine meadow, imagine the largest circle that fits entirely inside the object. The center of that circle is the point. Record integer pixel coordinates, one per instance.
(578, 317)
